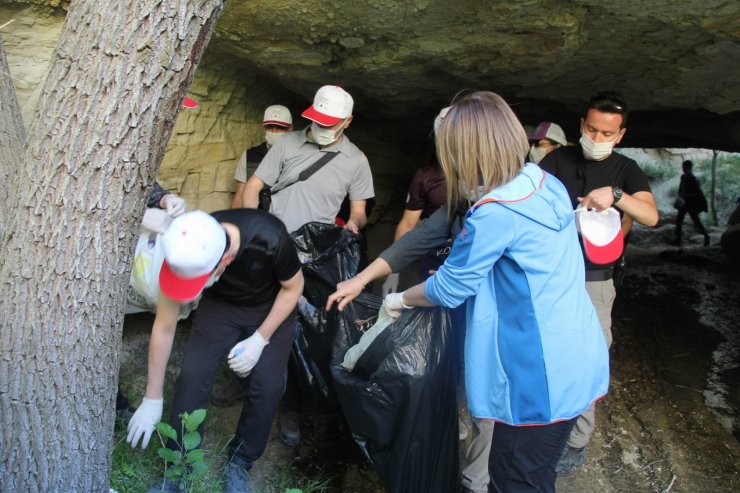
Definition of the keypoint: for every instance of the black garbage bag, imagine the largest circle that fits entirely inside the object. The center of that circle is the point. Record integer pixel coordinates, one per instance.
(329, 255)
(400, 400)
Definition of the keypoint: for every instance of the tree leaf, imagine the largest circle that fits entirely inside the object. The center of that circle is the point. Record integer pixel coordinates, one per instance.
(199, 468)
(174, 456)
(166, 431)
(174, 472)
(293, 490)
(194, 419)
(191, 440)
(195, 456)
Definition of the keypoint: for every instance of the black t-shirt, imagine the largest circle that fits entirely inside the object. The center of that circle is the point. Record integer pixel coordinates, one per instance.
(428, 191)
(266, 256)
(580, 176)
(257, 153)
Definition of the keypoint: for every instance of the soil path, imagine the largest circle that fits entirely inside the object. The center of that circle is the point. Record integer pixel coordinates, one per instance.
(666, 425)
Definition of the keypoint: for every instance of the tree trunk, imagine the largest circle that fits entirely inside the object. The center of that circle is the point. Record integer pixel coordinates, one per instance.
(12, 138)
(115, 85)
(714, 185)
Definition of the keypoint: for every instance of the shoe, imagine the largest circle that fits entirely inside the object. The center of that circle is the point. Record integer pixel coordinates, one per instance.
(290, 428)
(465, 489)
(236, 479)
(165, 485)
(571, 459)
(706, 240)
(228, 393)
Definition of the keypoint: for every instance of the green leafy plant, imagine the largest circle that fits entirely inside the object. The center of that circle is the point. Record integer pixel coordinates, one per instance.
(288, 479)
(186, 465)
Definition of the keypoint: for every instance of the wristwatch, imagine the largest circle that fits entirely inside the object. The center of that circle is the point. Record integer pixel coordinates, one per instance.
(617, 194)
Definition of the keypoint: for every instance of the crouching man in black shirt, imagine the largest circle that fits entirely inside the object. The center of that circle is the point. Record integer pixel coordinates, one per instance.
(249, 268)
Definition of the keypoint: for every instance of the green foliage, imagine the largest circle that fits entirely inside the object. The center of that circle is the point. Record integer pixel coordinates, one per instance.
(727, 182)
(289, 480)
(186, 465)
(656, 172)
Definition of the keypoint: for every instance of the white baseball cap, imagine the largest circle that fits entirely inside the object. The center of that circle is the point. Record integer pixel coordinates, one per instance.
(601, 233)
(331, 105)
(549, 130)
(193, 246)
(277, 114)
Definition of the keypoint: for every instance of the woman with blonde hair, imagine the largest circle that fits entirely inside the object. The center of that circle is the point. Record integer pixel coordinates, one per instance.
(535, 356)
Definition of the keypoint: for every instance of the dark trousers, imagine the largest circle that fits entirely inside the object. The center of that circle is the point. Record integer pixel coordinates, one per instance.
(217, 326)
(523, 458)
(694, 215)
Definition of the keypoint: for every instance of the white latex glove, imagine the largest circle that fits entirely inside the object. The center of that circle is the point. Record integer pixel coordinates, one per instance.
(393, 304)
(246, 353)
(142, 422)
(175, 205)
(390, 285)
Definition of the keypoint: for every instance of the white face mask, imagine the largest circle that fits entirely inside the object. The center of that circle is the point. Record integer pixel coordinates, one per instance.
(272, 137)
(212, 280)
(594, 151)
(536, 154)
(324, 136)
(472, 195)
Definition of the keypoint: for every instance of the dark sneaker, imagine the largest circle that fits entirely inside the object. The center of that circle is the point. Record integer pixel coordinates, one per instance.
(228, 393)
(571, 459)
(165, 485)
(290, 428)
(236, 480)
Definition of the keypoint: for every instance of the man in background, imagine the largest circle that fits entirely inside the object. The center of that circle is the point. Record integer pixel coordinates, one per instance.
(277, 122)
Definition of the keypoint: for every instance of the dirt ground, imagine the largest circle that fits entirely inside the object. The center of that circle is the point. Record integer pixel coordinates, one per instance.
(669, 423)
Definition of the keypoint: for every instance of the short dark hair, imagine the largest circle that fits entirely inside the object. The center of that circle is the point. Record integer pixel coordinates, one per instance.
(609, 102)
(687, 164)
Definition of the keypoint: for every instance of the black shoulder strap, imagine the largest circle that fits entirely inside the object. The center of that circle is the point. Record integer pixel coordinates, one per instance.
(306, 173)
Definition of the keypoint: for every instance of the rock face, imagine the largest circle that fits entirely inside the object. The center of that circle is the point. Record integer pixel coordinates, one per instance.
(676, 62)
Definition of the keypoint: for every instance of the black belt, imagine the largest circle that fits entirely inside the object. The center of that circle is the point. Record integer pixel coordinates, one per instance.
(600, 274)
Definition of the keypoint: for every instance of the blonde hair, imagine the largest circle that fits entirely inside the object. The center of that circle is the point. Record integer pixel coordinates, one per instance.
(480, 143)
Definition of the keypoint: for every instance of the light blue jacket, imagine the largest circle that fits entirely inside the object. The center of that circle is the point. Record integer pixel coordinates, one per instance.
(534, 350)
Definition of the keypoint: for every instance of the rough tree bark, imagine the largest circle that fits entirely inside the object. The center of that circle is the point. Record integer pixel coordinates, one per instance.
(12, 137)
(115, 85)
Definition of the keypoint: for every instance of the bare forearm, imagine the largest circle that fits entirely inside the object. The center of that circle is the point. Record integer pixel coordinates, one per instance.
(285, 302)
(236, 202)
(160, 346)
(251, 194)
(414, 296)
(641, 207)
(408, 221)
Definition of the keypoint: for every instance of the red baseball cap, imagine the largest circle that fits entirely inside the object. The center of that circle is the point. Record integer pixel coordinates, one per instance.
(193, 246)
(331, 105)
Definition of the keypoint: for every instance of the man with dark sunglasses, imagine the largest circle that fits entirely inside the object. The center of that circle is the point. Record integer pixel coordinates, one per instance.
(598, 178)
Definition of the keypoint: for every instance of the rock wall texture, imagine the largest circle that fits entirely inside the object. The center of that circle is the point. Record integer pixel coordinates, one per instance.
(676, 62)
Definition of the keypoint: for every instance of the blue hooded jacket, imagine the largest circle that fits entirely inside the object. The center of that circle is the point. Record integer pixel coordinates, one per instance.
(534, 349)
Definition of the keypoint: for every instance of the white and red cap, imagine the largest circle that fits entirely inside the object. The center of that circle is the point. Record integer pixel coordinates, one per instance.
(193, 246)
(277, 114)
(601, 233)
(331, 105)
